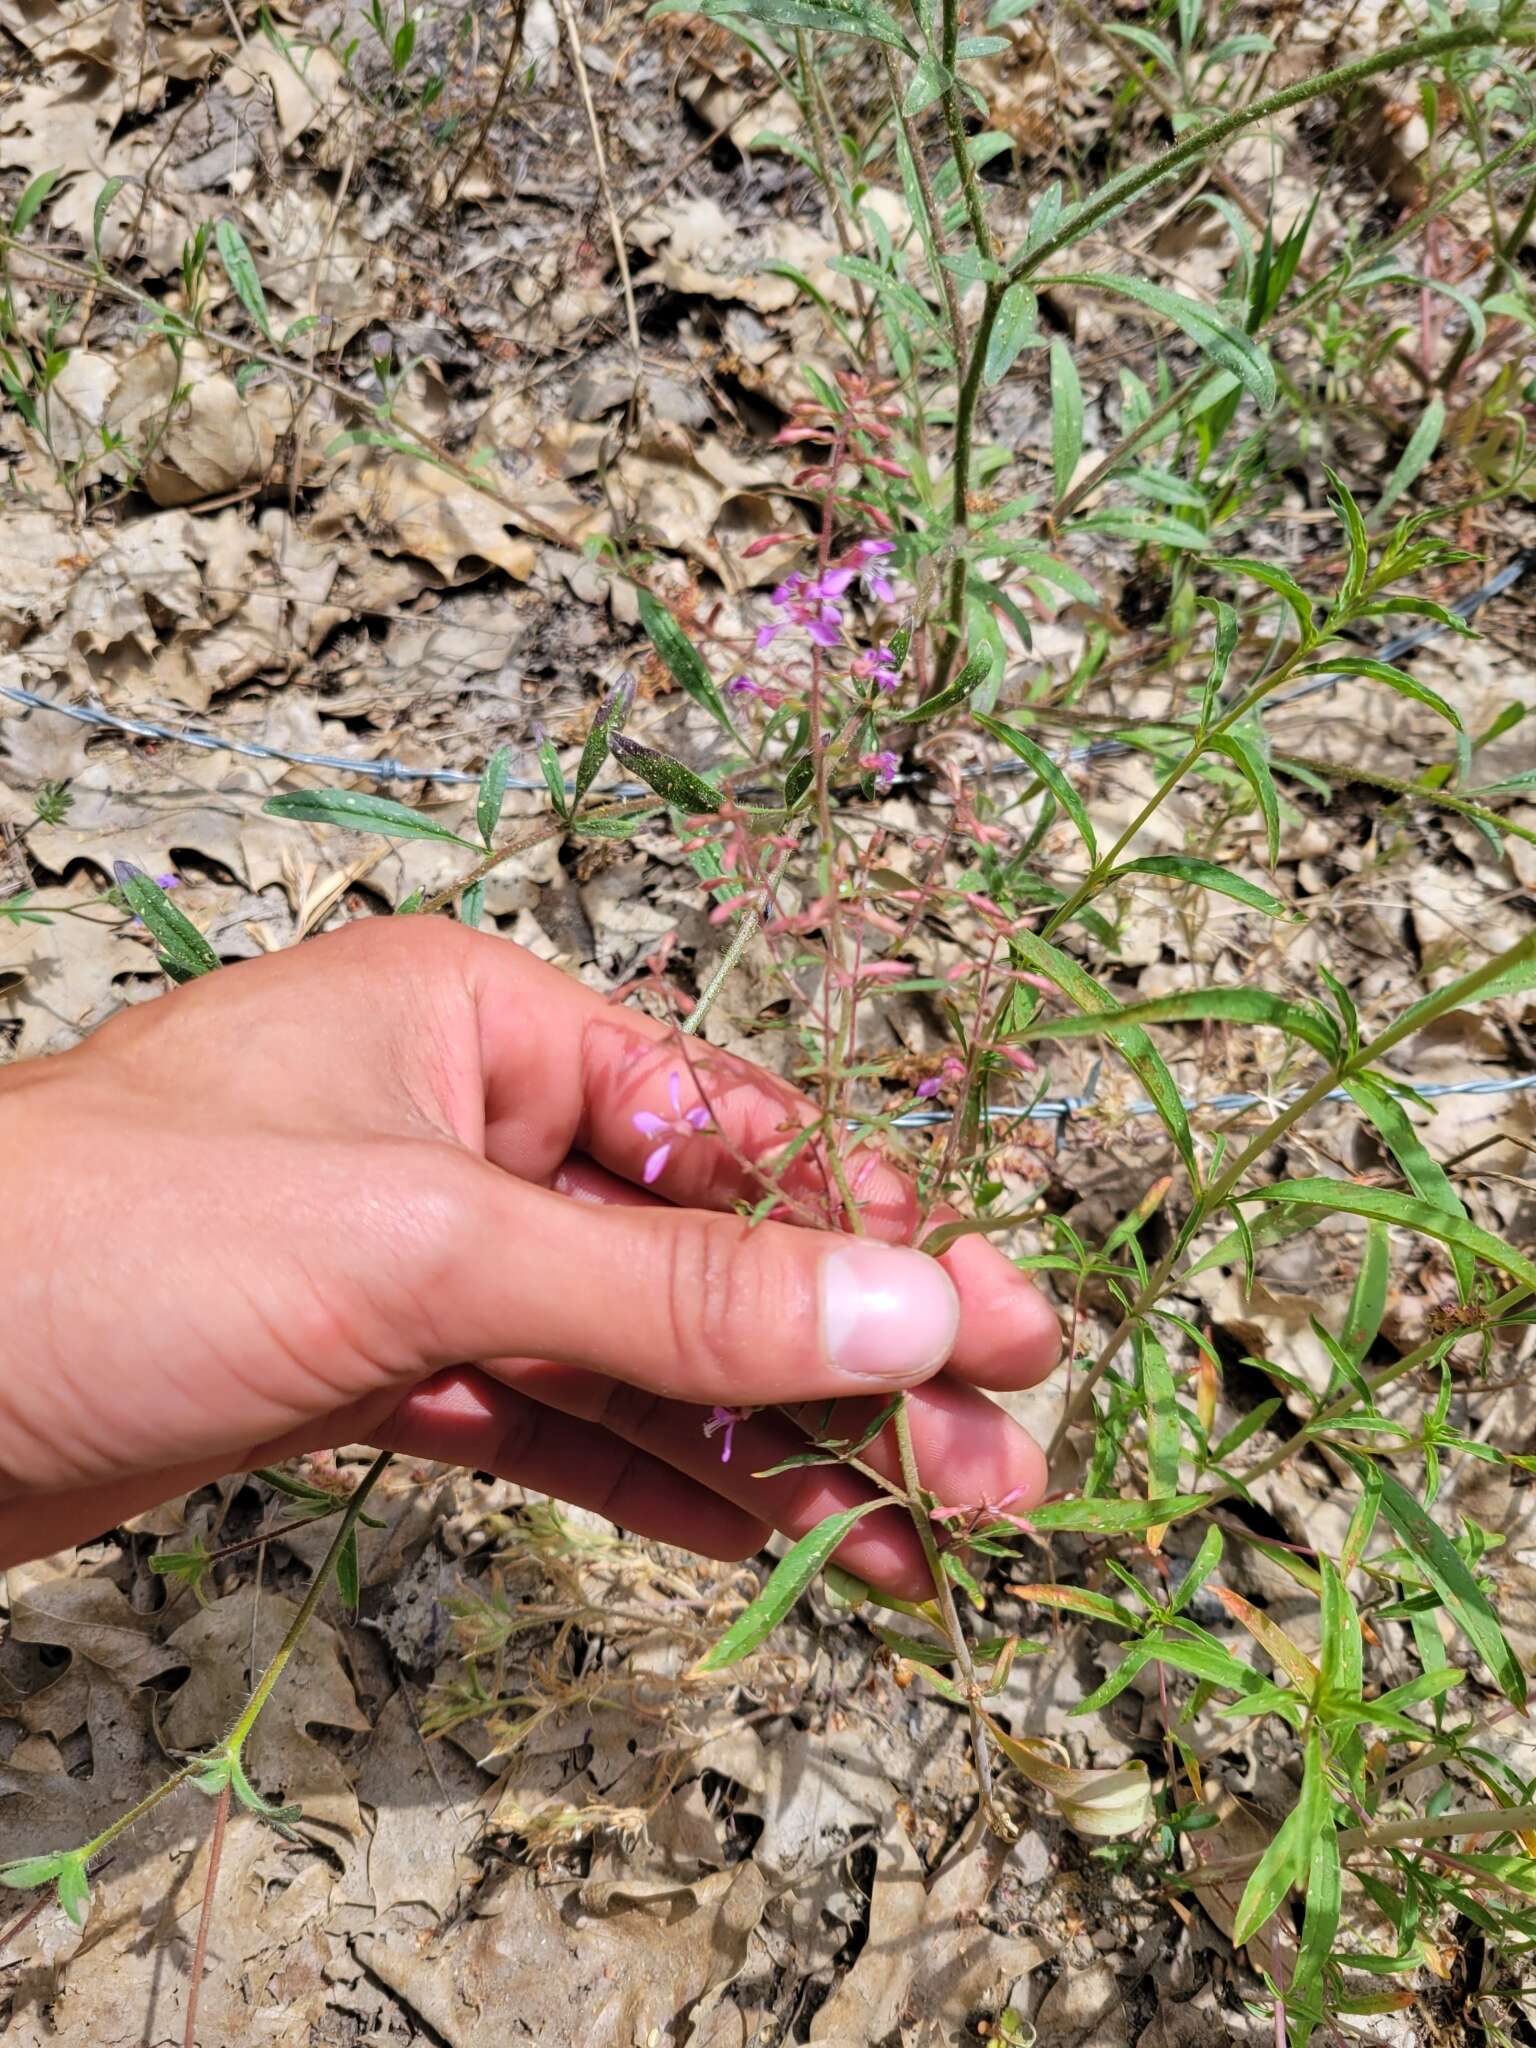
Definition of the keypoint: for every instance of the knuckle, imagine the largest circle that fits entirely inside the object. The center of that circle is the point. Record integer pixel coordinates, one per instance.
(718, 1293)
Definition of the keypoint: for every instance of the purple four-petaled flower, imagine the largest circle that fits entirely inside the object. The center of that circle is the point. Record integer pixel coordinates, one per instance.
(666, 1130)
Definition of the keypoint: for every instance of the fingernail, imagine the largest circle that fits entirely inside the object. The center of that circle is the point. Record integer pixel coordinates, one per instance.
(887, 1313)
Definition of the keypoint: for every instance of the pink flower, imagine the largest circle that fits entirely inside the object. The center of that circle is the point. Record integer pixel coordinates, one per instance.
(876, 665)
(666, 1130)
(725, 1419)
(743, 686)
(876, 584)
(930, 1087)
(882, 766)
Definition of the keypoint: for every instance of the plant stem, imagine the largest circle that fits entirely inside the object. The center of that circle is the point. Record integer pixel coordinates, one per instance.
(488, 122)
(205, 1917)
(944, 277)
(944, 1595)
(235, 1740)
(1118, 192)
(550, 829)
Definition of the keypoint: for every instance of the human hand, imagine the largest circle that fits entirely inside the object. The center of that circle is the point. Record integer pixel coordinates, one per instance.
(279, 1209)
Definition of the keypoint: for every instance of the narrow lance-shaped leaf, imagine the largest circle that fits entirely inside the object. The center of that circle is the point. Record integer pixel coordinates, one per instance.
(359, 810)
(1163, 1431)
(1221, 656)
(1014, 325)
(1066, 417)
(1140, 1054)
(100, 210)
(1288, 1858)
(240, 267)
(1368, 1300)
(787, 1581)
(971, 677)
(184, 952)
(31, 200)
(1049, 774)
(1451, 1576)
(492, 792)
(1281, 582)
(1422, 443)
(684, 790)
(610, 719)
(681, 657)
(1115, 1517)
(1425, 1175)
(1231, 1005)
(1205, 874)
(1383, 672)
(1391, 1207)
(1227, 346)
(1247, 748)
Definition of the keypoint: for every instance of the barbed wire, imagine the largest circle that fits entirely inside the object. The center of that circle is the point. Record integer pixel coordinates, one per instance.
(387, 769)
(1050, 1109)
(1062, 1108)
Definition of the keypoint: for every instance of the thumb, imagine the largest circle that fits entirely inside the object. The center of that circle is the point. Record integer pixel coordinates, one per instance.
(693, 1305)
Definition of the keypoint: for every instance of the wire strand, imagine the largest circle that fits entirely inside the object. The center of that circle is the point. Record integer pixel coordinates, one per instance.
(387, 769)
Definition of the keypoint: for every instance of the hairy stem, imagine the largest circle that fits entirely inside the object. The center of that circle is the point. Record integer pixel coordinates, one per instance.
(235, 1740)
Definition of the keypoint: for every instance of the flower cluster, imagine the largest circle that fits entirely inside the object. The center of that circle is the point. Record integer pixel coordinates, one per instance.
(814, 604)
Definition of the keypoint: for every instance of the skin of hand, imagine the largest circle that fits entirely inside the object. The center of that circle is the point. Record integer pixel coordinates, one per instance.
(390, 1187)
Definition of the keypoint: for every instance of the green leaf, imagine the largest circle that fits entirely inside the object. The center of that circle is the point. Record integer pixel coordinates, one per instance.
(977, 671)
(681, 657)
(492, 793)
(1279, 581)
(1115, 1517)
(359, 810)
(1391, 1207)
(348, 1575)
(1359, 541)
(31, 200)
(548, 756)
(30, 1873)
(1144, 531)
(787, 1581)
(1424, 1173)
(610, 719)
(1341, 1661)
(65, 1870)
(1138, 1051)
(1227, 346)
(1518, 973)
(684, 790)
(184, 951)
(1368, 1301)
(1014, 324)
(1247, 748)
(1288, 1858)
(1451, 1576)
(1383, 672)
(240, 267)
(1221, 656)
(1206, 874)
(863, 19)
(1049, 774)
(1422, 443)
(1164, 1434)
(1066, 417)
(930, 81)
(1325, 1888)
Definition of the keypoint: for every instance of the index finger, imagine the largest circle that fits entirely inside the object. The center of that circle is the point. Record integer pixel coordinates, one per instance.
(567, 1071)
